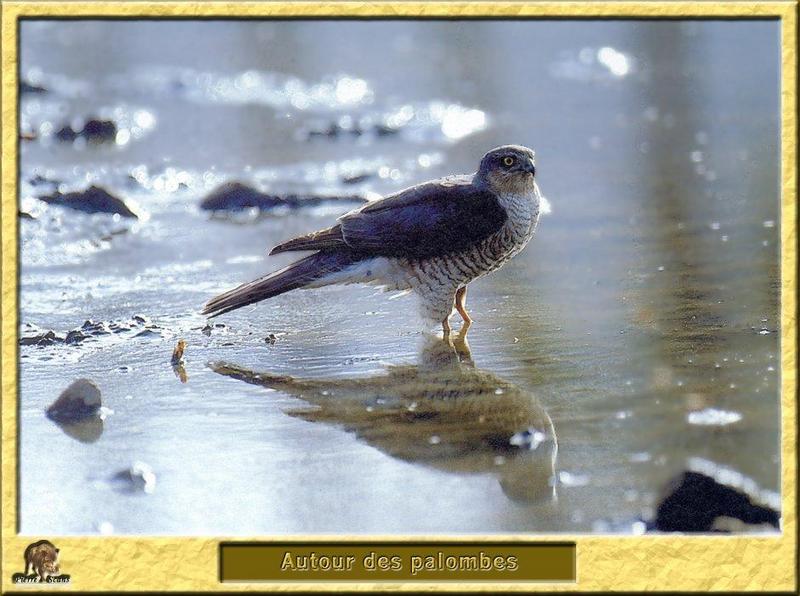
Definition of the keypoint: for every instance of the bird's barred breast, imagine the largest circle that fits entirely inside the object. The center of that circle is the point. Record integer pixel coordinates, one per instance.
(460, 268)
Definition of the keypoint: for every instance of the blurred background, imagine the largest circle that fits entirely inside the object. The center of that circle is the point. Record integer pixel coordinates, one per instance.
(635, 337)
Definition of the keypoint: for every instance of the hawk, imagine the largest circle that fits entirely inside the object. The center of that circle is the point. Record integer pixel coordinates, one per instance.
(433, 239)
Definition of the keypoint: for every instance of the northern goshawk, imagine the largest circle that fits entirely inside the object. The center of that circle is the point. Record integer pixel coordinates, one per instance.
(433, 239)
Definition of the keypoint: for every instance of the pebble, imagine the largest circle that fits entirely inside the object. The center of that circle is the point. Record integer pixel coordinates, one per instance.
(235, 196)
(139, 477)
(79, 401)
(34, 336)
(95, 130)
(29, 88)
(75, 336)
(45, 338)
(92, 200)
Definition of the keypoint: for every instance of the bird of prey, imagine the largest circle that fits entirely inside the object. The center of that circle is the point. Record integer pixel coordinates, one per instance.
(433, 239)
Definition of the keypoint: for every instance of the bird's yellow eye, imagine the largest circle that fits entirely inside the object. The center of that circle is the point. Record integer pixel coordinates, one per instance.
(508, 161)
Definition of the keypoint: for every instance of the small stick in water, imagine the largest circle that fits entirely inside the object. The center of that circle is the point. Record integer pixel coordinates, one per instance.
(177, 354)
(177, 361)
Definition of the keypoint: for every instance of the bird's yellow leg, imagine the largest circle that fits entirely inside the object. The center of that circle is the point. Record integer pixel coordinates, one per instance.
(446, 328)
(461, 299)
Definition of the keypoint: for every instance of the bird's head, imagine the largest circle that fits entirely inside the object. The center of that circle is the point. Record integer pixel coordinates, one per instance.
(508, 169)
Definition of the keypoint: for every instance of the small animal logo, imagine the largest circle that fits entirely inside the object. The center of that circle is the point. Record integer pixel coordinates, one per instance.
(41, 565)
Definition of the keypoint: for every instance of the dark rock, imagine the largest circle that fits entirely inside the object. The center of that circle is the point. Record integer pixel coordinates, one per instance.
(99, 130)
(113, 233)
(139, 477)
(39, 180)
(99, 328)
(386, 131)
(357, 179)
(29, 88)
(95, 130)
(66, 134)
(695, 501)
(41, 338)
(49, 341)
(334, 130)
(92, 200)
(79, 401)
(271, 338)
(75, 336)
(33, 335)
(43, 184)
(148, 333)
(235, 196)
(119, 327)
(209, 328)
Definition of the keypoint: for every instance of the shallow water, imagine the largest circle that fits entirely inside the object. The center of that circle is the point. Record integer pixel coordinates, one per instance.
(637, 331)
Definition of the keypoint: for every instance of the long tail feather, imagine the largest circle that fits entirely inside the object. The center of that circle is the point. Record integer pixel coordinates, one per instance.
(297, 275)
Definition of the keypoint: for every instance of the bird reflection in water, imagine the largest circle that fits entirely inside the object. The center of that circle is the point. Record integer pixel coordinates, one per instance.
(442, 412)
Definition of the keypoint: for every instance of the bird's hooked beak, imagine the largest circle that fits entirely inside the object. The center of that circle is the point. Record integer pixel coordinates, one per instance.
(529, 166)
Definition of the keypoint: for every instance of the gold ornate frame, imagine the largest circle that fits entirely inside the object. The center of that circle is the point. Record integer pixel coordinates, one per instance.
(764, 563)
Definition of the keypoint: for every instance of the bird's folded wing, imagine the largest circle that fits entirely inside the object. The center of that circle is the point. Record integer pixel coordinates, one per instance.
(430, 219)
(327, 239)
